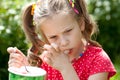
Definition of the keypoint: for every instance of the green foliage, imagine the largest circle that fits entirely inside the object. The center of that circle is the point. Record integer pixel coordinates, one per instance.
(11, 33)
(107, 14)
(117, 76)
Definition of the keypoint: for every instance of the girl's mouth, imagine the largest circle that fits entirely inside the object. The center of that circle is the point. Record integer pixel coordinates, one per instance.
(68, 51)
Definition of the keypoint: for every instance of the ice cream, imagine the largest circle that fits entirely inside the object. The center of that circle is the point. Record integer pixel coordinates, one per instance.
(34, 73)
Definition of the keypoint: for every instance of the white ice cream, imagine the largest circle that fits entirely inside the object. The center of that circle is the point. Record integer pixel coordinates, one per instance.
(66, 51)
(33, 71)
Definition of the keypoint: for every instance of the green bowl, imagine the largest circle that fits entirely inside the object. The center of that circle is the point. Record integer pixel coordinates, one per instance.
(33, 74)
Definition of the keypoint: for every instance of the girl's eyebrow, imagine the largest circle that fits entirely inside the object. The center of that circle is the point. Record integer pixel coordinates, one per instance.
(52, 35)
(63, 30)
(68, 27)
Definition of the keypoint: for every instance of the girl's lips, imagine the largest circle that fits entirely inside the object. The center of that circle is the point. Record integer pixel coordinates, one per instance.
(68, 51)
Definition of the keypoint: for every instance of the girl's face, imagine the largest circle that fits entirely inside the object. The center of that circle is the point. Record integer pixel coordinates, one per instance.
(64, 31)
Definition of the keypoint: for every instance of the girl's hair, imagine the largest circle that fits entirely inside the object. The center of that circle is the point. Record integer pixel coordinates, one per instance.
(30, 29)
(49, 8)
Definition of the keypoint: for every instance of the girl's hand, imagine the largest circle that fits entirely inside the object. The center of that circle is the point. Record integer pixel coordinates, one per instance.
(53, 56)
(17, 58)
(59, 60)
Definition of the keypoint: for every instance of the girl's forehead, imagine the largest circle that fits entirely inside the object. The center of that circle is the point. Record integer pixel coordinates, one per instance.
(58, 21)
(57, 24)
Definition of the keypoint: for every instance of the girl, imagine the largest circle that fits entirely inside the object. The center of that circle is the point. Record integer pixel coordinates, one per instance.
(69, 52)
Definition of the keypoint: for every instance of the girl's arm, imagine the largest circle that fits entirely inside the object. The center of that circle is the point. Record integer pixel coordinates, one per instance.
(99, 76)
(69, 73)
(60, 61)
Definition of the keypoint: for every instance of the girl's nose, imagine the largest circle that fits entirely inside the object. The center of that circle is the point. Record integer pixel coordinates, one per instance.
(64, 42)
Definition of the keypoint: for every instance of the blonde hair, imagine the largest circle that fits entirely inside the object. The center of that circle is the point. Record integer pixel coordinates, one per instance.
(48, 8)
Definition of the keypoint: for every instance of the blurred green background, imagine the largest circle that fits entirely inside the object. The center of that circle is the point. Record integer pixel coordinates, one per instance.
(105, 12)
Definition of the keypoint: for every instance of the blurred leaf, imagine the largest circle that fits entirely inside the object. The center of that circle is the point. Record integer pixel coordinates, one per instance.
(11, 33)
(107, 14)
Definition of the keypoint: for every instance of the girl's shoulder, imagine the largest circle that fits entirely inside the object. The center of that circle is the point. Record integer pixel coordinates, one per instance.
(93, 50)
(95, 60)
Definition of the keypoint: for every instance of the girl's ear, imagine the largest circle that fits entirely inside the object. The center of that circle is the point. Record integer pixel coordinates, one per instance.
(82, 24)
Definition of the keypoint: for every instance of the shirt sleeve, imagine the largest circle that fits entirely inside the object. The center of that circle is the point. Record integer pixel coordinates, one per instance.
(102, 63)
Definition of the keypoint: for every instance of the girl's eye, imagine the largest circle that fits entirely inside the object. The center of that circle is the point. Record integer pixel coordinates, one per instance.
(53, 37)
(68, 30)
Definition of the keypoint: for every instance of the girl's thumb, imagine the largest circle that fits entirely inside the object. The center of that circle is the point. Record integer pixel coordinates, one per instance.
(14, 50)
(10, 49)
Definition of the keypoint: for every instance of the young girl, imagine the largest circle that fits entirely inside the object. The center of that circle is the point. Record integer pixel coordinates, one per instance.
(69, 52)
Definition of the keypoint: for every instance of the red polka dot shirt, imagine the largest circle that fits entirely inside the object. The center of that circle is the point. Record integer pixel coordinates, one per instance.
(94, 60)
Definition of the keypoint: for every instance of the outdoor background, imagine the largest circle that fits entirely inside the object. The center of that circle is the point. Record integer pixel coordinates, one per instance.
(105, 12)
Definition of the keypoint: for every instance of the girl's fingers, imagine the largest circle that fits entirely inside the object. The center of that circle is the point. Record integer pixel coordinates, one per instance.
(45, 54)
(51, 49)
(55, 47)
(15, 63)
(46, 57)
(18, 51)
(15, 50)
(10, 50)
(48, 60)
(16, 56)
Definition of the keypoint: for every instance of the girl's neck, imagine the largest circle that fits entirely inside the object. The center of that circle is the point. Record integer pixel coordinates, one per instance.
(82, 49)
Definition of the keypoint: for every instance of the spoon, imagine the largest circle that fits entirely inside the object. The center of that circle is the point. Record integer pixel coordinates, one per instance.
(26, 68)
